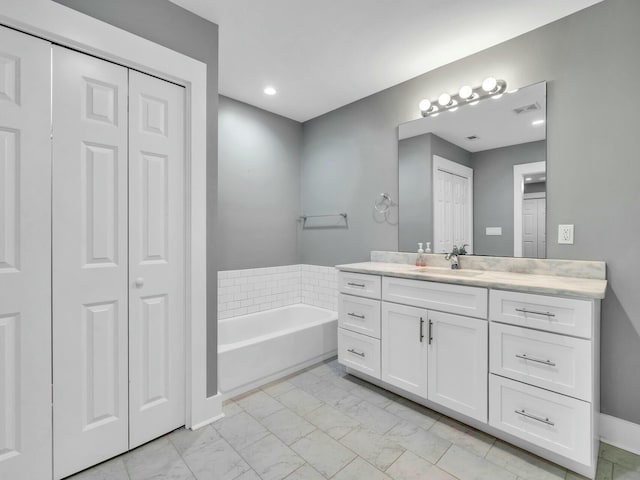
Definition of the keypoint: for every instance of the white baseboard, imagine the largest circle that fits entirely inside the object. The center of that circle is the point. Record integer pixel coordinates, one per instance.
(213, 412)
(620, 433)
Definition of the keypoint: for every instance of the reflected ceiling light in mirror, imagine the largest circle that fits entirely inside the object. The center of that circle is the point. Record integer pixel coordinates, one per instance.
(535, 123)
(270, 91)
(490, 88)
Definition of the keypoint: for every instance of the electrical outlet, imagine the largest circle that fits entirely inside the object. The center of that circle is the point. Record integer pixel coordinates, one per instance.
(565, 234)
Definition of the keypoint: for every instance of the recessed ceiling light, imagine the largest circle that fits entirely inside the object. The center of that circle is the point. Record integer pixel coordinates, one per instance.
(537, 122)
(270, 91)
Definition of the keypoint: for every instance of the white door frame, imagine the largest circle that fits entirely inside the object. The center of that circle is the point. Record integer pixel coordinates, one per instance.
(519, 172)
(440, 163)
(67, 27)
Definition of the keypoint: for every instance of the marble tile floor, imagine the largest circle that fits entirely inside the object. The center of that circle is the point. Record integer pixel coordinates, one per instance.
(322, 423)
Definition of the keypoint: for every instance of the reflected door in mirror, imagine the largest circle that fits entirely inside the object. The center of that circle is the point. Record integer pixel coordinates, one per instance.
(533, 227)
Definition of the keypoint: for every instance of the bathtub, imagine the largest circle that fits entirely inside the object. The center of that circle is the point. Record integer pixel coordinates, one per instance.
(261, 347)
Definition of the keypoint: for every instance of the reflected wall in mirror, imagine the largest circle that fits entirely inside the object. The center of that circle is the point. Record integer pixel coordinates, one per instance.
(476, 176)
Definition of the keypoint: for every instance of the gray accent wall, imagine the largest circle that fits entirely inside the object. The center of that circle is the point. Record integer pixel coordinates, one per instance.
(259, 187)
(167, 24)
(350, 155)
(493, 194)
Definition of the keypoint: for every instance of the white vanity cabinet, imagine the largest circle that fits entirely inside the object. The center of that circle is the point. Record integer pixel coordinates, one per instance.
(457, 364)
(431, 351)
(520, 365)
(359, 322)
(404, 347)
(544, 372)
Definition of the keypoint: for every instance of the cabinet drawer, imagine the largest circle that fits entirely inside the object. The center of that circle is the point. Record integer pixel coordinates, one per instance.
(558, 423)
(359, 352)
(359, 284)
(361, 315)
(444, 297)
(548, 360)
(554, 314)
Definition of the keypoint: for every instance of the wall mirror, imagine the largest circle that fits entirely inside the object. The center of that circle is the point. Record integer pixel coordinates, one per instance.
(476, 176)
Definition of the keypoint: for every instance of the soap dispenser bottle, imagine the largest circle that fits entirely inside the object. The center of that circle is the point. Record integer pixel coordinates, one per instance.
(420, 258)
(428, 249)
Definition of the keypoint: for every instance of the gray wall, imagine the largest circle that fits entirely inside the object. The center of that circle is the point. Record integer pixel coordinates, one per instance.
(493, 194)
(167, 24)
(259, 187)
(350, 156)
(415, 172)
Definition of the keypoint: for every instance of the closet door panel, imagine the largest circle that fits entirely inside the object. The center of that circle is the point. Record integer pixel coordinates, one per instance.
(156, 247)
(90, 261)
(25, 257)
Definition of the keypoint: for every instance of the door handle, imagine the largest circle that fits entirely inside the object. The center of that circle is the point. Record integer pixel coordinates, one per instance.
(139, 282)
(421, 332)
(430, 331)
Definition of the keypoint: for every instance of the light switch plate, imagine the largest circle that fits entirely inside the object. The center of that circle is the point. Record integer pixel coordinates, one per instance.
(565, 234)
(493, 231)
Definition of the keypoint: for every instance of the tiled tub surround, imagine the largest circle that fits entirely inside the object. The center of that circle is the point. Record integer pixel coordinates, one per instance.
(325, 424)
(273, 321)
(257, 289)
(523, 348)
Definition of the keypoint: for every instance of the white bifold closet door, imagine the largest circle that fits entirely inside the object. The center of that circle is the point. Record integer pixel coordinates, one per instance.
(90, 261)
(156, 257)
(25, 257)
(118, 269)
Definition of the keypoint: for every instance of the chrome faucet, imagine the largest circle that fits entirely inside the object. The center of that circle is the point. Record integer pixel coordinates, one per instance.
(453, 258)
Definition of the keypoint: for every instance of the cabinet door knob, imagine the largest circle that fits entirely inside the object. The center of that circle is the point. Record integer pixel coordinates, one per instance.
(139, 282)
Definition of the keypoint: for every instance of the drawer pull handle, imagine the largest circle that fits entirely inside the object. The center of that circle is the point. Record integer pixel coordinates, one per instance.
(430, 331)
(351, 350)
(351, 314)
(524, 310)
(421, 332)
(533, 417)
(537, 360)
(360, 285)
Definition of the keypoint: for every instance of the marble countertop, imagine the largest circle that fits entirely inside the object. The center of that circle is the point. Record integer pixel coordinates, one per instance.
(522, 282)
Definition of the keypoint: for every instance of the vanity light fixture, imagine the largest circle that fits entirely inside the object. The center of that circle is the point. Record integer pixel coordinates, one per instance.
(444, 99)
(490, 88)
(427, 108)
(270, 91)
(467, 93)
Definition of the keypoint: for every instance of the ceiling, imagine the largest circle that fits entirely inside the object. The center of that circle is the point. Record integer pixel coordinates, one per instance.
(323, 54)
(492, 123)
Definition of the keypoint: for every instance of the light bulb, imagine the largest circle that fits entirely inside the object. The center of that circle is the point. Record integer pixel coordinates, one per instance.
(489, 84)
(465, 92)
(270, 91)
(424, 105)
(444, 99)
